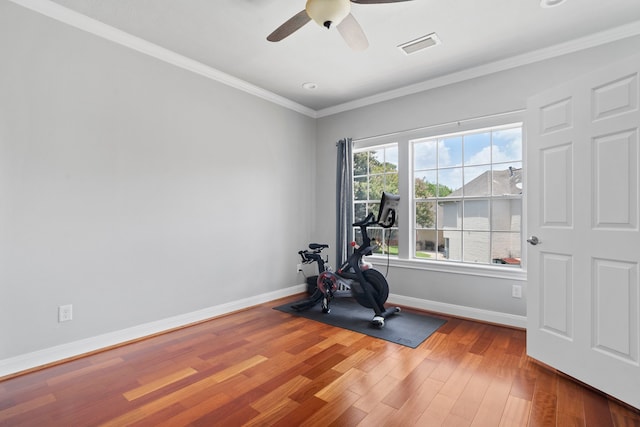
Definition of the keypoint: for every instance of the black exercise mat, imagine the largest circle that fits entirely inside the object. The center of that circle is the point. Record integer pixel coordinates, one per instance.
(408, 329)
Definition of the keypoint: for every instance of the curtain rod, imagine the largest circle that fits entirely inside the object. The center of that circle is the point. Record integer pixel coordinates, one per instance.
(457, 122)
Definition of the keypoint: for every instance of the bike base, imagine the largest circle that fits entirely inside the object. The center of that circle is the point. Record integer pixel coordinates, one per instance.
(378, 319)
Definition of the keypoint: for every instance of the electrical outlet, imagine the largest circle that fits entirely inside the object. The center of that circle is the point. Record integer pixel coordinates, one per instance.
(298, 268)
(65, 313)
(516, 291)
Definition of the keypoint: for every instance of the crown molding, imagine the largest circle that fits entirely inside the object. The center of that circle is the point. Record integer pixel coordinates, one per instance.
(100, 29)
(597, 39)
(107, 32)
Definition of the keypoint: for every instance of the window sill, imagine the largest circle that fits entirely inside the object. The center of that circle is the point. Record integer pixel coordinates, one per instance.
(510, 273)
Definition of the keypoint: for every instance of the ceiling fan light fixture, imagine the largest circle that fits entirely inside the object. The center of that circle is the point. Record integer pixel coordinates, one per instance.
(420, 43)
(551, 3)
(328, 13)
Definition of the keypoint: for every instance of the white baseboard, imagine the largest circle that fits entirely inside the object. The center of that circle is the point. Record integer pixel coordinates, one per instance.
(73, 349)
(76, 348)
(461, 311)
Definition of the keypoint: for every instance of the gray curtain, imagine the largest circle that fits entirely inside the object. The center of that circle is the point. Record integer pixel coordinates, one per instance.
(344, 200)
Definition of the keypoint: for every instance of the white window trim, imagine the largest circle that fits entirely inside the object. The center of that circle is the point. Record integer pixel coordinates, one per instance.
(450, 267)
(405, 171)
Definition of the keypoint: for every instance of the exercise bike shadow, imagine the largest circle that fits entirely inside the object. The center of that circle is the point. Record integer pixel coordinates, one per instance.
(368, 286)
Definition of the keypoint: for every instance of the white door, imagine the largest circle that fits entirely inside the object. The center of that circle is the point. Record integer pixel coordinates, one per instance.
(582, 205)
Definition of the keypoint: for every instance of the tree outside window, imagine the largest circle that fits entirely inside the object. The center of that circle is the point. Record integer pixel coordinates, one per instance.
(375, 171)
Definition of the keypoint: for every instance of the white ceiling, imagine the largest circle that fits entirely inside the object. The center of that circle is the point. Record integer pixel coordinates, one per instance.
(229, 36)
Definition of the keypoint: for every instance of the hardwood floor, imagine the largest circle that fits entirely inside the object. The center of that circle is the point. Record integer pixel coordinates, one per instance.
(263, 367)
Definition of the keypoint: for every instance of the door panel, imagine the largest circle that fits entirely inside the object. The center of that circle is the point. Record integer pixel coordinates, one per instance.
(582, 205)
(557, 295)
(615, 325)
(557, 170)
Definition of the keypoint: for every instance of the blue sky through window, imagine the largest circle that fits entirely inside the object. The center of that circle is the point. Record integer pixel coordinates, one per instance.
(475, 151)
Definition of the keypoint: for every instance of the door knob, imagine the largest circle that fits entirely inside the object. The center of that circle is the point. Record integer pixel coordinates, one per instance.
(533, 240)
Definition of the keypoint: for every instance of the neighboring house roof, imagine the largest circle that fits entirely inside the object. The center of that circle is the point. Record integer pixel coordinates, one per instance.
(508, 181)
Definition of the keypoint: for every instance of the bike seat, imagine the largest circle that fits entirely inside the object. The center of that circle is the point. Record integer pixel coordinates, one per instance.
(315, 246)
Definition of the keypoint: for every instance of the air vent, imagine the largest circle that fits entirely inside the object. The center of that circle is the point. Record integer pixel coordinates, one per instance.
(420, 43)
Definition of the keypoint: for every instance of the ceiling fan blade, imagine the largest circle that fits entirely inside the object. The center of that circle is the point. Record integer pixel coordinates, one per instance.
(292, 25)
(376, 1)
(352, 33)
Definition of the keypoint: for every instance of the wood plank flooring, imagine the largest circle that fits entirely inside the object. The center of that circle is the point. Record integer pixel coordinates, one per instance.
(262, 367)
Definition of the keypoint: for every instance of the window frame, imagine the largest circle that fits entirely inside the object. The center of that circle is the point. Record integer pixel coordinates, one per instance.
(406, 231)
(460, 201)
(375, 231)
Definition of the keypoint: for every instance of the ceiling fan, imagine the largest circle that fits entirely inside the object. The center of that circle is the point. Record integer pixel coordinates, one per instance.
(328, 13)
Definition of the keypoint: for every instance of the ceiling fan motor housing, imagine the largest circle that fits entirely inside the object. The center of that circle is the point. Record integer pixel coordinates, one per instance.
(328, 12)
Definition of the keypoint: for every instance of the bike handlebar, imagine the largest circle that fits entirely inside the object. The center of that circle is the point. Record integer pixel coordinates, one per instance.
(369, 220)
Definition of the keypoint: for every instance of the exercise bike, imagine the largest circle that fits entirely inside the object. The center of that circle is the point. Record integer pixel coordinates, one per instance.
(367, 285)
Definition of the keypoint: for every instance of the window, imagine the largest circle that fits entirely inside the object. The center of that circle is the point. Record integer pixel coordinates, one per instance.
(467, 193)
(461, 192)
(374, 171)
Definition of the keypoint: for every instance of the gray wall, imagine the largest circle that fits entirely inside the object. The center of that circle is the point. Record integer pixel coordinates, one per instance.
(462, 294)
(135, 190)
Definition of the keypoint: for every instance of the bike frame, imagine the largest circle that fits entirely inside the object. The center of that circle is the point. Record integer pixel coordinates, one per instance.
(351, 274)
(351, 271)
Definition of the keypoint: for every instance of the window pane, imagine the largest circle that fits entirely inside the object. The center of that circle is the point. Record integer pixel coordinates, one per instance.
(476, 247)
(507, 145)
(477, 148)
(450, 215)
(390, 243)
(476, 215)
(507, 179)
(505, 248)
(376, 161)
(360, 188)
(452, 245)
(450, 182)
(371, 207)
(425, 184)
(360, 163)
(375, 234)
(391, 183)
(391, 159)
(477, 181)
(427, 244)
(425, 154)
(425, 214)
(376, 187)
(506, 215)
(450, 152)
(359, 211)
